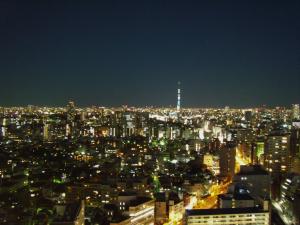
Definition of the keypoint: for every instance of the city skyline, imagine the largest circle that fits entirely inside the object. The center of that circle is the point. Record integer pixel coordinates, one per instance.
(158, 112)
(114, 53)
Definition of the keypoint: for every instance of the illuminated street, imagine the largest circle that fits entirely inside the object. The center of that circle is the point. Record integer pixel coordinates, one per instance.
(211, 201)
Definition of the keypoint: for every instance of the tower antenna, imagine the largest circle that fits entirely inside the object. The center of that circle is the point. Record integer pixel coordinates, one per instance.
(178, 96)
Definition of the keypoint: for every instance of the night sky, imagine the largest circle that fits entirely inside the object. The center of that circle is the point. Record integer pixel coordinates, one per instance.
(112, 53)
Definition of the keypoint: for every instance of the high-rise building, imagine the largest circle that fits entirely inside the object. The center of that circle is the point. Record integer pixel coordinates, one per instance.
(295, 142)
(295, 111)
(259, 151)
(227, 160)
(277, 153)
(248, 115)
(290, 197)
(71, 112)
(46, 131)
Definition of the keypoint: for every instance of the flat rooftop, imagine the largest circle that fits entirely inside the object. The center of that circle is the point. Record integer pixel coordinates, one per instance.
(236, 197)
(199, 212)
(252, 170)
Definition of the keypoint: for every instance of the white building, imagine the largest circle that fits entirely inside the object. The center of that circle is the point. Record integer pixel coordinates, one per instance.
(231, 216)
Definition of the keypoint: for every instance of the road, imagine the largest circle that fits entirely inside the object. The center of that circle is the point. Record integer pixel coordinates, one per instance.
(212, 200)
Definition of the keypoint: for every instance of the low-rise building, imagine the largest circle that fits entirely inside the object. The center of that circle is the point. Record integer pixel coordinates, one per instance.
(69, 214)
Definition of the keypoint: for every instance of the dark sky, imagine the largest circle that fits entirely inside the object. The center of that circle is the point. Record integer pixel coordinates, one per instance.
(106, 52)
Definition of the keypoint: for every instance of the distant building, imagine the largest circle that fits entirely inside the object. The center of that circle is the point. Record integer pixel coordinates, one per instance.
(295, 112)
(248, 116)
(46, 131)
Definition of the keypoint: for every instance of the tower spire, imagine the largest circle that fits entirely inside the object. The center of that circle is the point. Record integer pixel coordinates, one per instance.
(178, 96)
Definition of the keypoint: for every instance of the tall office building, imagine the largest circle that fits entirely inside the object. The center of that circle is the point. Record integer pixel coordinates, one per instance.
(277, 153)
(295, 111)
(227, 160)
(178, 97)
(248, 115)
(3, 127)
(71, 112)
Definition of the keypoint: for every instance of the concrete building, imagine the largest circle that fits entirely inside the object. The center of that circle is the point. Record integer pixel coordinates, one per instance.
(277, 153)
(168, 207)
(229, 216)
(227, 160)
(141, 211)
(235, 201)
(255, 179)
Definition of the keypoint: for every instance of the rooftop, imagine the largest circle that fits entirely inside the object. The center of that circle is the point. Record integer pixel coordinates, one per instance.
(236, 197)
(196, 212)
(139, 200)
(252, 170)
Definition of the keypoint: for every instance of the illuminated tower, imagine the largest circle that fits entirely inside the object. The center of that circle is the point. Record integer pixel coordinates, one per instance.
(178, 97)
